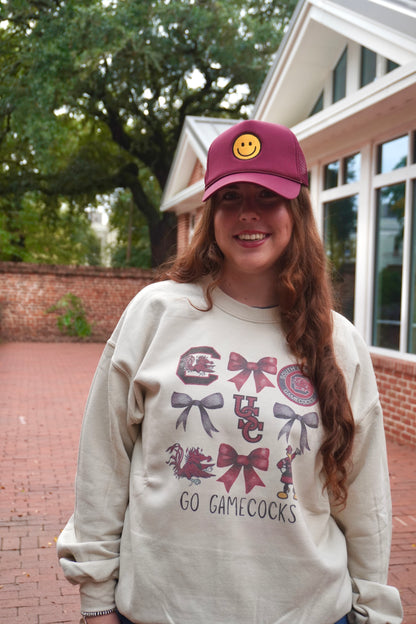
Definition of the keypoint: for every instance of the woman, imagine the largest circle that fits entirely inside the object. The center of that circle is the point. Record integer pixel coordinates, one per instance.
(232, 464)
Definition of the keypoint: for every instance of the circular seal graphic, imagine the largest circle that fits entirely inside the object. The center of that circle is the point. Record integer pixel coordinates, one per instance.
(246, 146)
(296, 386)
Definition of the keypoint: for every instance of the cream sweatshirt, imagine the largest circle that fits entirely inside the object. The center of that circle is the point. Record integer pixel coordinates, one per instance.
(199, 485)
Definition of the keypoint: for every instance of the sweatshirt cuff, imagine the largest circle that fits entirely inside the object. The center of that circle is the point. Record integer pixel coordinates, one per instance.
(98, 596)
(376, 603)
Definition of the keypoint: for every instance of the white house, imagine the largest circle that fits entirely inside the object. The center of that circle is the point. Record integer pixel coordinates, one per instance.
(344, 80)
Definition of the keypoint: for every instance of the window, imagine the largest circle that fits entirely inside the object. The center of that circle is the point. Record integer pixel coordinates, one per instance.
(319, 105)
(339, 78)
(351, 169)
(331, 173)
(368, 66)
(392, 154)
(376, 231)
(340, 235)
(389, 266)
(411, 347)
(192, 223)
(340, 227)
(390, 65)
(394, 307)
(413, 147)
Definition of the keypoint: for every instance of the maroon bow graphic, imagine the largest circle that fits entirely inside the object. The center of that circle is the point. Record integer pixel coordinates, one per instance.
(266, 364)
(227, 456)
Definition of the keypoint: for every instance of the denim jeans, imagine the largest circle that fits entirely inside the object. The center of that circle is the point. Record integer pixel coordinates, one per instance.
(124, 620)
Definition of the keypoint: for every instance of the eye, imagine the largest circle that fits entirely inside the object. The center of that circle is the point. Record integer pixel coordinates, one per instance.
(266, 193)
(229, 195)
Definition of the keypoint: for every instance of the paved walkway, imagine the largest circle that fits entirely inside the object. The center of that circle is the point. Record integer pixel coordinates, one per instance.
(43, 388)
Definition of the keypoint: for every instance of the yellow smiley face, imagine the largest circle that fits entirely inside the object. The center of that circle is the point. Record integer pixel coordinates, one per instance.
(246, 146)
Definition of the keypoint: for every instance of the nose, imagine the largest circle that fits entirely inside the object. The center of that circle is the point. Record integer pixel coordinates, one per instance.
(249, 210)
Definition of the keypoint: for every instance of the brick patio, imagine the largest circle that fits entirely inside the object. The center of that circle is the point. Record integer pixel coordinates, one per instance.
(43, 391)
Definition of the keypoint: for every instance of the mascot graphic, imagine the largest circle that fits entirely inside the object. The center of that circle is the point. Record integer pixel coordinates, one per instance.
(285, 467)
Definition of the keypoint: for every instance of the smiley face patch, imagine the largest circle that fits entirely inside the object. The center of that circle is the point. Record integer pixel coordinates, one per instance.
(246, 146)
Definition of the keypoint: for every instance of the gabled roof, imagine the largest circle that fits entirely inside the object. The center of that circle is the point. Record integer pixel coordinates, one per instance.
(196, 137)
(317, 35)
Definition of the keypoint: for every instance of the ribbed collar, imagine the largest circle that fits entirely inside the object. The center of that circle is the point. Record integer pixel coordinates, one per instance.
(242, 311)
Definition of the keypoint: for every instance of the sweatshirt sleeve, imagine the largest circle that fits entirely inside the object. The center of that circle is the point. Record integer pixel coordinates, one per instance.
(88, 547)
(366, 519)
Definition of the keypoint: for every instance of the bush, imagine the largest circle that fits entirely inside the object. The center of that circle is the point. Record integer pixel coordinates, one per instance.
(72, 318)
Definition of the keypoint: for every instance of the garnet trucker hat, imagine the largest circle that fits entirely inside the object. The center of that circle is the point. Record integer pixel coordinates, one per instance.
(263, 153)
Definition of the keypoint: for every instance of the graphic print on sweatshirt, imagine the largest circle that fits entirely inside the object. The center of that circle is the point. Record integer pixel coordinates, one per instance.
(191, 464)
(243, 432)
(300, 390)
(285, 466)
(197, 365)
(295, 386)
(311, 419)
(268, 365)
(258, 459)
(212, 401)
(248, 417)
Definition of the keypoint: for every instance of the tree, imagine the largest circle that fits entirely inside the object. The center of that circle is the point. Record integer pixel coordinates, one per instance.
(132, 245)
(29, 232)
(94, 93)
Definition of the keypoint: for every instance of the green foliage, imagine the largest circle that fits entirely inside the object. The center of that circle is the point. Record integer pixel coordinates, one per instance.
(138, 256)
(132, 245)
(93, 97)
(340, 228)
(72, 317)
(31, 232)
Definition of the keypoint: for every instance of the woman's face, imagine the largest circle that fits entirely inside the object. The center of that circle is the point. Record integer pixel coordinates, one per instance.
(253, 227)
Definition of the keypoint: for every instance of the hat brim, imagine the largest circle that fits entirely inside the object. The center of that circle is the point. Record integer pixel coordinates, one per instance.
(282, 186)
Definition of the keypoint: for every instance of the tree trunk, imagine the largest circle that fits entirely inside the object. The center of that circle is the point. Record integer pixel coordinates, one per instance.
(163, 238)
(162, 228)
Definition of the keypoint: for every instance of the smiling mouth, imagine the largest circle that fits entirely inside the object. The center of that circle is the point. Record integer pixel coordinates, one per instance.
(252, 237)
(247, 155)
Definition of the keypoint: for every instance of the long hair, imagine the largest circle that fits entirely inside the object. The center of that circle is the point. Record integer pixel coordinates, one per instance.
(305, 303)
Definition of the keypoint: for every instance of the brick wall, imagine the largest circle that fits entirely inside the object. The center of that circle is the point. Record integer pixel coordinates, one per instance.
(184, 219)
(28, 290)
(183, 223)
(397, 385)
(197, 173)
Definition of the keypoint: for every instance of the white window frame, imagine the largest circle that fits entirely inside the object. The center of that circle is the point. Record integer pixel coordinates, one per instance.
(353, 72)
(366, 189)
(335, 193)
(404, 175)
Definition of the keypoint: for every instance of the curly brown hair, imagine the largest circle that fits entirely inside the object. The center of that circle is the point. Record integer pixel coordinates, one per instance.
(305, 304)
